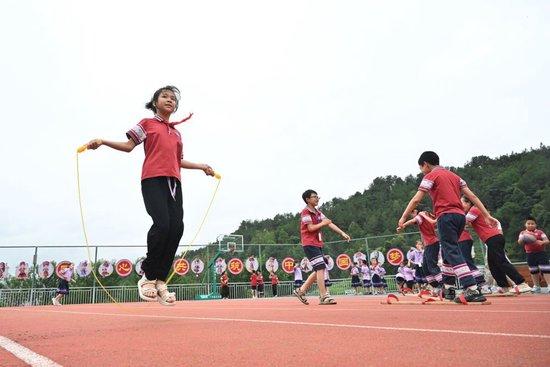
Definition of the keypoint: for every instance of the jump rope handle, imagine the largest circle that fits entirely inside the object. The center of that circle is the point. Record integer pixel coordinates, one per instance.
(217, 176)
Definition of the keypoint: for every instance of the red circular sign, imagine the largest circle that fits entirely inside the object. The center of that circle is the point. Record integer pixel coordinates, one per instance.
(235, 266)
(343, 262)
(395, 256)
(62, 265)
(181, 266)
(123, 267)
(288, 265)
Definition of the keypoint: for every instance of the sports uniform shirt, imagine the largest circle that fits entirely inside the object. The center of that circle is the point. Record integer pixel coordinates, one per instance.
(533, 246)
(483, 230)
(427, 229)
(308, 238)
(444, 188)
(162, 145)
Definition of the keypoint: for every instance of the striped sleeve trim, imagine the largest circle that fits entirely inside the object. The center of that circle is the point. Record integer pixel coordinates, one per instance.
(426, 185)
(137, 134)
(470, 217)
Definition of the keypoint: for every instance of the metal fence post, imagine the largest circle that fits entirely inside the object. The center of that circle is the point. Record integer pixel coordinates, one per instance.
(33, 278)
(93, 286)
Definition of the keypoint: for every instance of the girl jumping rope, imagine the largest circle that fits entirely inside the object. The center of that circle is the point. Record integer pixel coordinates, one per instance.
(160, 188)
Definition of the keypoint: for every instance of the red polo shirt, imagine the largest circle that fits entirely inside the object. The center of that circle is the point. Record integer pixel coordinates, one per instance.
(253, 279)
(427, 229)
(162, 145)
(444, 188)
(534, 247)
(483, 230)
(308, 238)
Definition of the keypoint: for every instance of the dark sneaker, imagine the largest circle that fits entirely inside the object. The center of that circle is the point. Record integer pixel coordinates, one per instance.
(470, 295)
(449, 293)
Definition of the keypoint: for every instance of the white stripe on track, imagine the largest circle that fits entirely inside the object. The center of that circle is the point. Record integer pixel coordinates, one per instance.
(25, 354)
(300, 323)
(414, 308)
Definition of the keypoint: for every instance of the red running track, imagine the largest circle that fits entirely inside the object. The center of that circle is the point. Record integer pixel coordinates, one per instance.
(359, 331)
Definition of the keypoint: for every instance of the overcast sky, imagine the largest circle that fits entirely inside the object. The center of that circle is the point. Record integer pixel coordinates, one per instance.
(286, 96)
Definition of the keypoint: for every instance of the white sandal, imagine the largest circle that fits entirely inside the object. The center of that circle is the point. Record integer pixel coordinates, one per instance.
(147, 290)
(165, 298)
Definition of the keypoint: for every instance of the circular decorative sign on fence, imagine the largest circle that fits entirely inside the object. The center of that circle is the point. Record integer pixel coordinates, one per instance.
(45, 269)
(3, 270)
(378, 255)
(138, 266)
(181, 266)
(105, 269)
(305, 265)
(272, 265)
(288, 265)
(395, 256)
(235, 266)
(123, 267)
(84, 268)
(220, 265)
(251, 264)
(358, 256)
(60, 268)
(329, 261)
(197, 266)
(22, 271)
(343, 261)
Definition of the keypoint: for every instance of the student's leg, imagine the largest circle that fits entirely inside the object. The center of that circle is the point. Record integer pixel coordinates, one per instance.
(496, 244)
(320, 275)
(466, 250)
(494, 266)
(534, 270)
(544, 266)
(449, 227)
(156, 194)
(309, 282)
(433, 272)
(175, 211)
(317, 261)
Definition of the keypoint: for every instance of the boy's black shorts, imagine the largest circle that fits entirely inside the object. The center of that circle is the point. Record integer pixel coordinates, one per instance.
(315, 256)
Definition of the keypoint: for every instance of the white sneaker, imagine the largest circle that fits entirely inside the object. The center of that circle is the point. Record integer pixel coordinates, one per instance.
(536, 290)
(55, 302)
(523, 288)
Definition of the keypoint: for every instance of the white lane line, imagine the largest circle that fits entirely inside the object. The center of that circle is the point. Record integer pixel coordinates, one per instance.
(320, 324)
(25, 354)
(334, 309)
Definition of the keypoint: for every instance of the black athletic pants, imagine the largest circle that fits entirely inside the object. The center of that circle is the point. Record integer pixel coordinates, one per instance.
(499, 265)
(162, 198)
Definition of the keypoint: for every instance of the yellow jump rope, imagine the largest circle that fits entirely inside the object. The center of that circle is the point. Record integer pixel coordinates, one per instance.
(82, 149)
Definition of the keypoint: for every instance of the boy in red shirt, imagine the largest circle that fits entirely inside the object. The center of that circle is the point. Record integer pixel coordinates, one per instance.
(426, 226)
(274, 282)
(311, 222)
(499, 265)
(445, 189)
(534, 240)
(254, 284)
